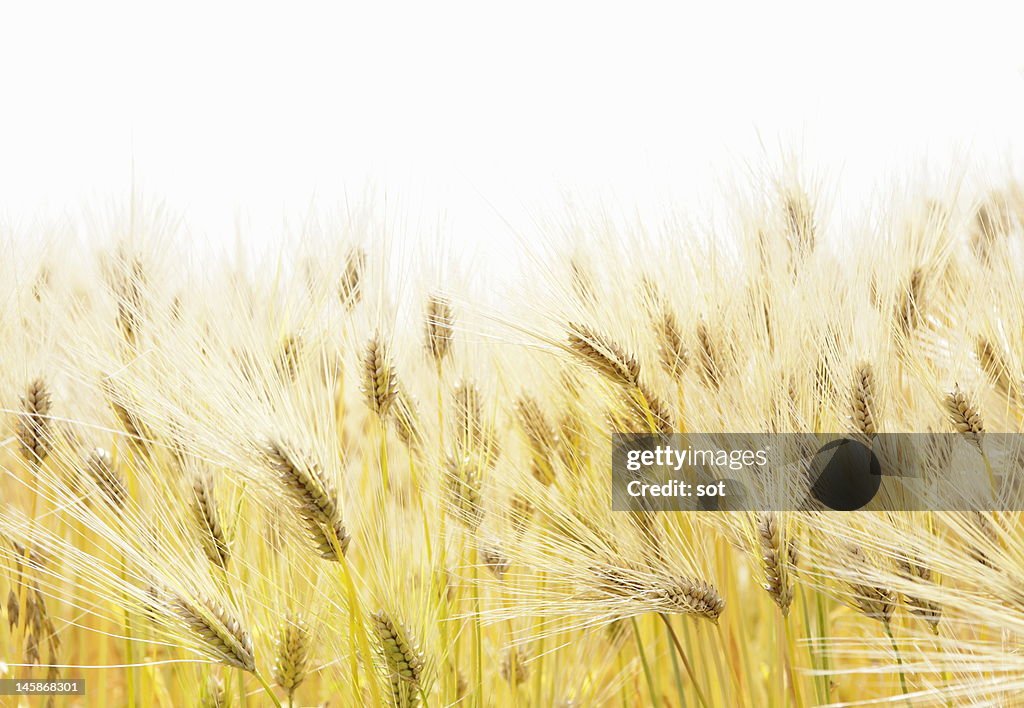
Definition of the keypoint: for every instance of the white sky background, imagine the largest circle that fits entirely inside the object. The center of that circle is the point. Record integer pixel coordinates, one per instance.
(478, 114)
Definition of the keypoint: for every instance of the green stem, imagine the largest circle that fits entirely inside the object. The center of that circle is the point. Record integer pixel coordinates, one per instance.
(357, 631)
(825, 662)
(811, 651)
(899, 660)
(384, 456)
(243, 697)
(686, 662)
(129, 649)
(477, 641)
(268, 689)
(678, 678)
(643, 661)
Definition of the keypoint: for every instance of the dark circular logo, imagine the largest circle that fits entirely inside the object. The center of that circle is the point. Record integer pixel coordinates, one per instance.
(845, 475)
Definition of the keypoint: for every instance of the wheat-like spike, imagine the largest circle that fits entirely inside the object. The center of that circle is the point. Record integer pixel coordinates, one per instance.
(520, 511)
(130, 301)
(440, 326)
(469, 413)
(314, 497)
(492, 555)
(215, 694)
(33, 422)
(403, 660)
(774, 560)
(909, 307)
(406, 421)
(938, 451)
(34, 610)
(99, 466)
(139, 434)
(693, 597)
(536, 426)
(995, 367)
(709, 356)
(13, 609)
(863, 402)
(872, 600)
(912, 569)
(474, 436)
(662, 593)
(514, 665)
(982, 523)
(224, 635)
(649, 412)
(32, 648)
(991, 223)
(293, 647)
(380, 383)
(964, 415)
(603, 355)
(289, 357)
(350, 287)
(672, 351)
(801, 231)
(464, 487)
(207, 515)
(132, 424)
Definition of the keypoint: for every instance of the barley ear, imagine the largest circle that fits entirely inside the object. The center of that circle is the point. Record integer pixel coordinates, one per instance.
(965, 416)
(439, 325)
(292, 662)
(207, 516)
(603, 355)
(380, 383)
(33, 429)
(223, 634)
(402, 660)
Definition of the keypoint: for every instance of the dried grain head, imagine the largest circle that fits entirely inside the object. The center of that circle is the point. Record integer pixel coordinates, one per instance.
(313, 496)
(350, 286)
(603, 355)
(33, 429)
(291, 664)
(380, 382)
(401, 660)
(440, 326)
(222, 633)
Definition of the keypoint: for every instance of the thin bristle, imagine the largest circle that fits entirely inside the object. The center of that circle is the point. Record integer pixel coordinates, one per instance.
(995, 366)
(99, 466)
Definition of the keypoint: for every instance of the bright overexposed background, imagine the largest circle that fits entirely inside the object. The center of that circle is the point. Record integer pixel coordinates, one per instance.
(473, 114)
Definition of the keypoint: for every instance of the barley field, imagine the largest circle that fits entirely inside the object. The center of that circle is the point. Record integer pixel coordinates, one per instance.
(361, 470)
